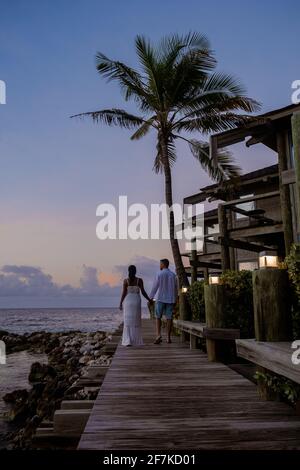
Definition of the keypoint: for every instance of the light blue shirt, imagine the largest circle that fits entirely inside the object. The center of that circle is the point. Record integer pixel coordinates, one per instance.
(166, 285)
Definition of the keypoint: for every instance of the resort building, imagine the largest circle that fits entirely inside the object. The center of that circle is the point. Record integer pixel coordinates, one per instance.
(258, 211)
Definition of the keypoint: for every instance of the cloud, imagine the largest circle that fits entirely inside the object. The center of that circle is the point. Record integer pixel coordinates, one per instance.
(32, 281)
(20, 280)
(147, 268)
(27, 280)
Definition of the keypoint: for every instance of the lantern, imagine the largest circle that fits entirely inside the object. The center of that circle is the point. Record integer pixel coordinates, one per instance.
(268, 259)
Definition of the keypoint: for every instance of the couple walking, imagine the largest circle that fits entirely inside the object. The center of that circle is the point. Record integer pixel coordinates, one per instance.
(165, 286)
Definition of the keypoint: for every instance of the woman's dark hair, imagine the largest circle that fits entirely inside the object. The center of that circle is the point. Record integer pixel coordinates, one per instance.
(131, 272)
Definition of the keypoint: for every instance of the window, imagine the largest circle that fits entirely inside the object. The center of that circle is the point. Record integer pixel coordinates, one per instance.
(213, 229)
(246, 206)
(247, 265)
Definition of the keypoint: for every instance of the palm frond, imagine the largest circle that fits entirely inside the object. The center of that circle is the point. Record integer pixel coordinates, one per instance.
(221, 170)
(144, 129)
(116, 117)
(130, 81)
(209, 123)
(158, 166)
(151, 66)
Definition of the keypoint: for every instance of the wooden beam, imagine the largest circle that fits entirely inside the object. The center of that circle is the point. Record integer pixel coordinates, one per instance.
(285, 199)
(214, 242)
(225, 255)
(257, 248)
(274, 356)
(201, 330)
(194, 258)
(251, 198)
(209, 256)
(262, 218)
(203, 264)
(288, 176)
(296, 145)
(245, 232)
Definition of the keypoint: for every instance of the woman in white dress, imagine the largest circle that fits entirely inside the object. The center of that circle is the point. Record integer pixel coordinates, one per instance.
(131, 296)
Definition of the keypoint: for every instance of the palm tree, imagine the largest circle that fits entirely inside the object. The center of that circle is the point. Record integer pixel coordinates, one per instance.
(178, 94)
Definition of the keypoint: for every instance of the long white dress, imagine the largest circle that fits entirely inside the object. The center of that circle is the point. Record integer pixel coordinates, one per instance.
(132, 330)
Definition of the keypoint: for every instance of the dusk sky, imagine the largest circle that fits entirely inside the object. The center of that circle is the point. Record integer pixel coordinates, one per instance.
(56, 170)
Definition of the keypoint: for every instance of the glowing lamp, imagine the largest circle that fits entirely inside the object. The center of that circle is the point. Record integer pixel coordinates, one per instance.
(214, 279)
(184, 290)
(268, 259)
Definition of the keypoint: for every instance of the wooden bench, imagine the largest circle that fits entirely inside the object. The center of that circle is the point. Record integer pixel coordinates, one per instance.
(212, 335)
(273, 356)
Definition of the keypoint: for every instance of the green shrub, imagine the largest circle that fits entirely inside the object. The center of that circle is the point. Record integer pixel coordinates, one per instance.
(239, 305)
(196, 300)
(292, 262)
(287, 389)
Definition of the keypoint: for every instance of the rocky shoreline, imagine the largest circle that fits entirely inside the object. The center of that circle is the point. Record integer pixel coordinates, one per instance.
(70, 355)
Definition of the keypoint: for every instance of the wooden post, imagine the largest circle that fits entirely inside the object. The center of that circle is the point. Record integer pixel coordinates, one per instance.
(184, 313)
(272, 313)
(194, 258)
(193, 341)
(225, 255)
(296, 146)
(285, 199)
(214, 297)
(230, 225)
(271, 302)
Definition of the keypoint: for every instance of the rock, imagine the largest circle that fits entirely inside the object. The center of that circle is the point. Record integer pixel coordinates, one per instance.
(15, 396)
(69, 355)
(86, 348)
(84, 359)
(73, 378)
(41, 372)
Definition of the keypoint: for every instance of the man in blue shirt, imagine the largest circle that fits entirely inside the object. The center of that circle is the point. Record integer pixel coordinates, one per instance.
(165, 285)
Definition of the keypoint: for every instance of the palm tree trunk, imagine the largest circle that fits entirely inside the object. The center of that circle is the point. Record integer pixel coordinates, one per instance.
(182, 276)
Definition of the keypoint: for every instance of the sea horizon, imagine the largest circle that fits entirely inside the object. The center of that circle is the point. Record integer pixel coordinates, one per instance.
(61, 319)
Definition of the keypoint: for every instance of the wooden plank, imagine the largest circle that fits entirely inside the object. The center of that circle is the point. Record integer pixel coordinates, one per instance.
(170, 397)
(242, 245)
(194, 328)
(222, 333)
(288, 176)
(202, 331)
(225, 255)
(251, 198)
(274, 356)
(252, 214)
(253, 231)
(204, 264)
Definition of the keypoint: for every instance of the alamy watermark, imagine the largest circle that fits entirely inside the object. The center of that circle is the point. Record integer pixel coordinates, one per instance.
(295, 97)
(296, 354)
(2, 353)
(2, 92)
(140, 222)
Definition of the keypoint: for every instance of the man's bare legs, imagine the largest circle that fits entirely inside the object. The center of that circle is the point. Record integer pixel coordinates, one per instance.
(158, 330)
(169, 330)
(158, 327)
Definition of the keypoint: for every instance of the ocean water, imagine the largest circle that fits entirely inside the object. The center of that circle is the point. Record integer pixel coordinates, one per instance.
(27, 320)
(14, 374)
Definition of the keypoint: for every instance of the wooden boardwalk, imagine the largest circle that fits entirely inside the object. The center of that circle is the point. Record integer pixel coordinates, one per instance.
(170, 397)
